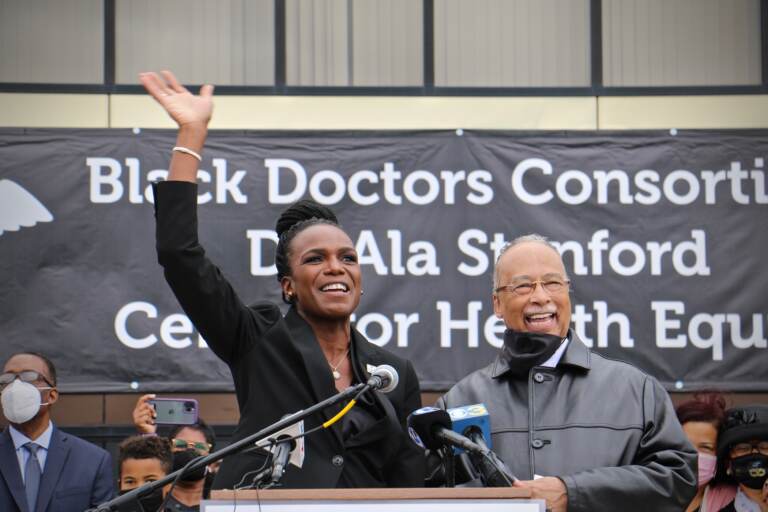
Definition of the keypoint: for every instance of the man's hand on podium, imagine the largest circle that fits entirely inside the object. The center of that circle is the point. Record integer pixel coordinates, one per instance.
(549, 488)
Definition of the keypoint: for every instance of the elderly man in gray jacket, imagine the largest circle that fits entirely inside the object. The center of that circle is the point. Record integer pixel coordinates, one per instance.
(583, 432)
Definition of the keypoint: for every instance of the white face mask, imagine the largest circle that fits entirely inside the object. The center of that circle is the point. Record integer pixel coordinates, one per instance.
(21, 401)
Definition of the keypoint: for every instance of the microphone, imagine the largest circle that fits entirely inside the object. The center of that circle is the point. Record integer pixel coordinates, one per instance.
(297, 452)
(474, 422)
(384, 378)
(280, 456)
(430, 427)
(492, 469)
(471, 417)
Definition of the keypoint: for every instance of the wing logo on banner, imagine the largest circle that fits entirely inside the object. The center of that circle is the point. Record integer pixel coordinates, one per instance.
(19, 208)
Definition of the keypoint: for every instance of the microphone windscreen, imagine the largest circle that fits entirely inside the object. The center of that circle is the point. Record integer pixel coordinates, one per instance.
(422, 424)
(389, 376)
(470, 417)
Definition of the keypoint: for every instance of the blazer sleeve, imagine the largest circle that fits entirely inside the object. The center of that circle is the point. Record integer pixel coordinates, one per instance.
(408, 467)
(662, 476)
(204, 293)
(103, 485)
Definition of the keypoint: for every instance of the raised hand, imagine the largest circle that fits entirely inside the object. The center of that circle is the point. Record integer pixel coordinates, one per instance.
(191, 112)
(144, 415)
(184, 107)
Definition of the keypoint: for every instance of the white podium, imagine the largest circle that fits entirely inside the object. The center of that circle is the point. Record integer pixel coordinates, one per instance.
(496, 499)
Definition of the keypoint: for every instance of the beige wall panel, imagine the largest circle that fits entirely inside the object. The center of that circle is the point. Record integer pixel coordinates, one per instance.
(54, 41)
(80, 410)
(215, 408)
(227, 42)
(298, 112)
(747, 111)
(331, 113)
(54, 110)
(681, 42)
(317, 42)
(512, 43)
(387, 43)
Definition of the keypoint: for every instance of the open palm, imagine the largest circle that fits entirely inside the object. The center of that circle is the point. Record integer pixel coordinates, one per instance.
(184, 107)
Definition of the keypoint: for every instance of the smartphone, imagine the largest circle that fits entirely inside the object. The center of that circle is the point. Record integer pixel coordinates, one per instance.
(175, 411)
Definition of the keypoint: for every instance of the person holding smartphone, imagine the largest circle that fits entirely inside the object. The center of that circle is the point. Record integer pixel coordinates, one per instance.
(281, 364)
(187, 442)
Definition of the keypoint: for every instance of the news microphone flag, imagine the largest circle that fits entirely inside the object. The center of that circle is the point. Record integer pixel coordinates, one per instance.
(467, 416)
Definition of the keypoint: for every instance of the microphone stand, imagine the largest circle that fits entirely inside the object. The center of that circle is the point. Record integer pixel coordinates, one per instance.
(113, 504)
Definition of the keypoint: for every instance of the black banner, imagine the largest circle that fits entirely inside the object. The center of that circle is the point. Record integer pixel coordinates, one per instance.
(664, 235)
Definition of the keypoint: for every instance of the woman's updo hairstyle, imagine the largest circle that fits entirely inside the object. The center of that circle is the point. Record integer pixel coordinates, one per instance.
(293, 221)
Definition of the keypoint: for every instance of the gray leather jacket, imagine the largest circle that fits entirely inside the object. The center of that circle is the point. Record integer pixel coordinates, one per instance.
(605, 428)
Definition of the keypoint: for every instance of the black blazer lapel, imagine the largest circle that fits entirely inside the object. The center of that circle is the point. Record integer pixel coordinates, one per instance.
(365, 358)
(10, 470)
(315, 364)
(58, 451)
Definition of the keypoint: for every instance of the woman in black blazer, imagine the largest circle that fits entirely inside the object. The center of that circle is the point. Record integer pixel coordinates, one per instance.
(283, 364)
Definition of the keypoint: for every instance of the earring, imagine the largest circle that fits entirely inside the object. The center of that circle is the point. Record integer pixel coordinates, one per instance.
(362, 291)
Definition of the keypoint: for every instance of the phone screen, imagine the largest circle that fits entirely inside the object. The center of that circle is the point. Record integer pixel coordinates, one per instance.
(175, 411)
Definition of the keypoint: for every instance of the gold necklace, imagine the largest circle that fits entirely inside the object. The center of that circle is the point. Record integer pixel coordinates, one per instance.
(335, 368)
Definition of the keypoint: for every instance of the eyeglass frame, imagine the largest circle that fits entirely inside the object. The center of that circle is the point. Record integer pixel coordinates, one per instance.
(753, 446)
(195, 445)
(566, 283)
(19, 375)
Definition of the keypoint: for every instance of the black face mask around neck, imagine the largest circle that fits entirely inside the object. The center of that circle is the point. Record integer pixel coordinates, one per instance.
(750, 470)
(524, 350)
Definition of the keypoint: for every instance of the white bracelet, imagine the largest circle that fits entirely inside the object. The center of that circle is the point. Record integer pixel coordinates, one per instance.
(182, 149)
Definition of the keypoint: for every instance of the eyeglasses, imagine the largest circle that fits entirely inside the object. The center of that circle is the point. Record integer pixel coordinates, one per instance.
(24, 376)
(183, 444)
(552, 286)
(741, 449)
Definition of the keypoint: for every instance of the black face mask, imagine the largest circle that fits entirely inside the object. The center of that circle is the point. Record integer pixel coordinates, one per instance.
(149, 503)
(181, 459)
(524, 350)
(750, 470)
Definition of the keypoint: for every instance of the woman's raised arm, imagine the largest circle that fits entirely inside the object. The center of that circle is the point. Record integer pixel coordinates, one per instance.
(191, 112)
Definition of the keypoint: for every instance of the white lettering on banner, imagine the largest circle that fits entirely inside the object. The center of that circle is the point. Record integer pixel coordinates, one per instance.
(470, 324)
(625, 258)
(107, 183)
(289, 181)
(482, 261)
(403, 323)
(604, 322)
(679, 186)
(712, 326)
(257, 238)
(138, 326)
(493, 327)
(420, 260)
(174, 329)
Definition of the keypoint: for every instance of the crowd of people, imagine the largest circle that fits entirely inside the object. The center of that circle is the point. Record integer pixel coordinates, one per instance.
(578, 430)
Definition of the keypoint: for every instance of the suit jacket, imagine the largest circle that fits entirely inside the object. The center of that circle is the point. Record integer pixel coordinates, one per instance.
(279, 368)
(77, 476)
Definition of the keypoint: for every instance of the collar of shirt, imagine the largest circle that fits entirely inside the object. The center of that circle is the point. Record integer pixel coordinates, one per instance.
(19, 440)
(555, 358)
(742, 503)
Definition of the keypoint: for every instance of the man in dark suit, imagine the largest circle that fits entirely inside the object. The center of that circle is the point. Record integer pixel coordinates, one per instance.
(43, 469)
